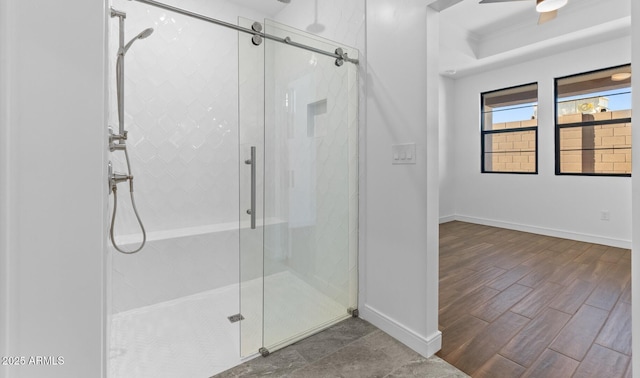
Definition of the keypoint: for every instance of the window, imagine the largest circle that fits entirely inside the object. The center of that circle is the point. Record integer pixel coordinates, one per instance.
(510, 130)
(593, 123)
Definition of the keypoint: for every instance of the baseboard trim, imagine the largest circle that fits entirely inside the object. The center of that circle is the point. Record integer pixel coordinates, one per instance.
(546, 231)
(448, 218)
(426, 346)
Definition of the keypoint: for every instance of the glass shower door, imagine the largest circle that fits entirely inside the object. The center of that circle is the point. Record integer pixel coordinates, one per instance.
(251, 160)
(310, 187)
(306, 187)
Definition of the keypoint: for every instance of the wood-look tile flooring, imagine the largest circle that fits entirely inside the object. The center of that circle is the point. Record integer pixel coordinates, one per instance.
(515, 304)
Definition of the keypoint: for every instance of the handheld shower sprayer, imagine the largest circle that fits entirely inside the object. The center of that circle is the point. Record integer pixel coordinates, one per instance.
(122, 50)
(117, 142)
(142, 35)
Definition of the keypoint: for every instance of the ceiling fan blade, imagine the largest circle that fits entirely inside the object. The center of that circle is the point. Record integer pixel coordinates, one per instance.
(547, 16)
(498, 1)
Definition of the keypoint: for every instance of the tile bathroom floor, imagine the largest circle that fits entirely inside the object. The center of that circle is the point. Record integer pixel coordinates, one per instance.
(351, 348)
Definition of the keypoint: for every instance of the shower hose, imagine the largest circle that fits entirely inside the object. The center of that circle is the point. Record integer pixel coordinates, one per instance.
(135, 211)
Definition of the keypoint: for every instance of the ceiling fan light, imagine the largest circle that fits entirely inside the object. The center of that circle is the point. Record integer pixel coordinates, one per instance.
(549, 5)
(620, 76)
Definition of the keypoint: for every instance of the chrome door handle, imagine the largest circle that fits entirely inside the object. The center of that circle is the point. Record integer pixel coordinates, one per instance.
(252, 210)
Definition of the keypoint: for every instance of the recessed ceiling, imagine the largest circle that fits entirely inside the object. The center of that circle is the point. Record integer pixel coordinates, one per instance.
(476, 37)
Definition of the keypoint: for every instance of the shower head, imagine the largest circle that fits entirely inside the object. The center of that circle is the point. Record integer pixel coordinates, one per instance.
(285, 1)
(143, 34)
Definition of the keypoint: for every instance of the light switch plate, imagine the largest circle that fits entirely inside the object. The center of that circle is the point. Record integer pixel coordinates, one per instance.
(403, 153)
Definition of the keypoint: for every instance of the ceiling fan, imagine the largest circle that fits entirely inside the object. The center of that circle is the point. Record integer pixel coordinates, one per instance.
(548, 9)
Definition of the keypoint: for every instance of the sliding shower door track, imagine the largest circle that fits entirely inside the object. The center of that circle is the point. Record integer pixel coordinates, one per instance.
(339, 55)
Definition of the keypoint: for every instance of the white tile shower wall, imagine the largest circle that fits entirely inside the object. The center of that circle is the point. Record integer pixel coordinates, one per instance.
(182, 116)
(174, 267)
(343, 20)
(181, 113)
(316, 160)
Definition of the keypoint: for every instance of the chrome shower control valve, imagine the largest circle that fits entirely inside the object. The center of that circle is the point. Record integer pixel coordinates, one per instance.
(115, 178)
(119, 177)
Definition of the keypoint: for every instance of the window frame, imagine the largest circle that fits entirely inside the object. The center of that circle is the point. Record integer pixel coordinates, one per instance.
(484, 132)
(559, 127)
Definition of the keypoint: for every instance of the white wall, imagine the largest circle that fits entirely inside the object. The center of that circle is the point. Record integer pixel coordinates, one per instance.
(53, 193)
(4, 182)
(447, 139)
(565, 206)
(400, 206)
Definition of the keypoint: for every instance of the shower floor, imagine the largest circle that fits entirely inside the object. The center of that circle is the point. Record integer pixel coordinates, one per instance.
(191, 337)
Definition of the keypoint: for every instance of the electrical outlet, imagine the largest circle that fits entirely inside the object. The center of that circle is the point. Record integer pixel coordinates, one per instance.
(604, 215)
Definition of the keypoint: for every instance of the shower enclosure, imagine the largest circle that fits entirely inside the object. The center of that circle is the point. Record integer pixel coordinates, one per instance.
(245, 156)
